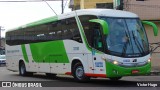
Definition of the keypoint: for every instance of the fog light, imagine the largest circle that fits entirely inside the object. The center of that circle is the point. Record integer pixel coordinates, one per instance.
(115, 62)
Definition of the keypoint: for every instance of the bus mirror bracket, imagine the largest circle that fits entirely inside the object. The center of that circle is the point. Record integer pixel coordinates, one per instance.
(103, 23)
(155, 29)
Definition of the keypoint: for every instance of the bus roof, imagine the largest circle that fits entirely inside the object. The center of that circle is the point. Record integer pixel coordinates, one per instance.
(96, 12)
(111, 13)
(100, 12)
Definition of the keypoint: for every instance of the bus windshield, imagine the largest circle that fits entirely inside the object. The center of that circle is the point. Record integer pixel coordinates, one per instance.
(126, 38)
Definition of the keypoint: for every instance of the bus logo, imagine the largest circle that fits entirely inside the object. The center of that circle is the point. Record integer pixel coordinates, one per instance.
(134, 60)
(6, 84)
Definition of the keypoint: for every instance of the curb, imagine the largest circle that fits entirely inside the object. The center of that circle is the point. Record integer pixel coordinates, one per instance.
(157, 73)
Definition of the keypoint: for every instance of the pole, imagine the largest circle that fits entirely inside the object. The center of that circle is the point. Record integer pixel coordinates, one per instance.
(62, 6)
(0, 35)
(50, 7)
(121, 5)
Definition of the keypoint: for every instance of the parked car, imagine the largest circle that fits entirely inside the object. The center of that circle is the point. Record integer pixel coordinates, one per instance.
(2, 59)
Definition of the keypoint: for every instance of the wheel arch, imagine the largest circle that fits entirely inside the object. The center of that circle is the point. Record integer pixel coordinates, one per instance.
(20, 61)
(76, 60)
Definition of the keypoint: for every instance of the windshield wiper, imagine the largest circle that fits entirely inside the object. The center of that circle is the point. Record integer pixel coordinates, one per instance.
(138, 44)
(125, 48)
(125, 45)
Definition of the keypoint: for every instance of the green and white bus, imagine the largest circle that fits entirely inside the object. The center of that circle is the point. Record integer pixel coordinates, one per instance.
(84, 43)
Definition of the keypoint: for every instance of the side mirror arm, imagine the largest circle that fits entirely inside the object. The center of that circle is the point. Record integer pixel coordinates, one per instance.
(103, 23)
(155, 29)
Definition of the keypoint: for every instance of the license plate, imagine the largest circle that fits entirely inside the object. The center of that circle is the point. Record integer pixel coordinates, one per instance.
(135, 71)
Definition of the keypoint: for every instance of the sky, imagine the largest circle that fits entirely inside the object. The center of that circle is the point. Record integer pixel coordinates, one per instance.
(14, 14)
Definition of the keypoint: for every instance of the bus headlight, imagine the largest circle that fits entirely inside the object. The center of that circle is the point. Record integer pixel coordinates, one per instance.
(115, 62)
(149, 60)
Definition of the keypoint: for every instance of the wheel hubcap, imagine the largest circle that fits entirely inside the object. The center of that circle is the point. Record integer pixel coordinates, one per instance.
(79, 72)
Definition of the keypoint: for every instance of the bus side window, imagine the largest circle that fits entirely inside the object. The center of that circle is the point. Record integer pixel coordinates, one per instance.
(70, 30)
(88, 27)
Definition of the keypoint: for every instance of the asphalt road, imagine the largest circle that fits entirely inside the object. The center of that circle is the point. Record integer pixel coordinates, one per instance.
(63, 82)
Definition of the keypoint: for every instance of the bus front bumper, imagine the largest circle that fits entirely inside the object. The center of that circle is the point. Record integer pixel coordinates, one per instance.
(113, 70)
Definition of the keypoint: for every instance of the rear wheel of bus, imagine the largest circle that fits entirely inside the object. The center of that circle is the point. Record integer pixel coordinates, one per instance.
(22, 70)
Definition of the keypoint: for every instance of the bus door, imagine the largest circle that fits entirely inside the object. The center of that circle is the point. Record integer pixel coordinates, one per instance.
(97, 54)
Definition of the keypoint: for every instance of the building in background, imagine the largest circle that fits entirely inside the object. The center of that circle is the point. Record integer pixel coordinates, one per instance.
(2, 43)
(2, 48)
(145, 9)
(2, 39)
(84, 4)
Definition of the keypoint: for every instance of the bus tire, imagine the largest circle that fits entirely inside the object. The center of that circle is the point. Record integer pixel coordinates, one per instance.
(115, 78)
(22, 69)
(79, 74)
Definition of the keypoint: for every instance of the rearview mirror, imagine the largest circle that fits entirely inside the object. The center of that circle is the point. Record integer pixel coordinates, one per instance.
(103, 23)
(155, 29)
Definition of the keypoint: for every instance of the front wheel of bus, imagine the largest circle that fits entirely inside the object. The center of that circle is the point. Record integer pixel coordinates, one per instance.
(79, 74)
(22, 69)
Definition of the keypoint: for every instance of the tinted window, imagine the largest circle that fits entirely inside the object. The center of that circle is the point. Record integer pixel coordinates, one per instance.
(70, 30)
(88, 27)
(59, 30)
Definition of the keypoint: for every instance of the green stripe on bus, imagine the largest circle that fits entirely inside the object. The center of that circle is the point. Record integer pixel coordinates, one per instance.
(36, 23)
(49, 52)
(43, 21)
(24, 53)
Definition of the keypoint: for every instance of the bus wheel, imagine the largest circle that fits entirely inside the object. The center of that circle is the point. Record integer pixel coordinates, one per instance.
(22, 69)
(115, 78)
(78, 73)
(50, 75)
